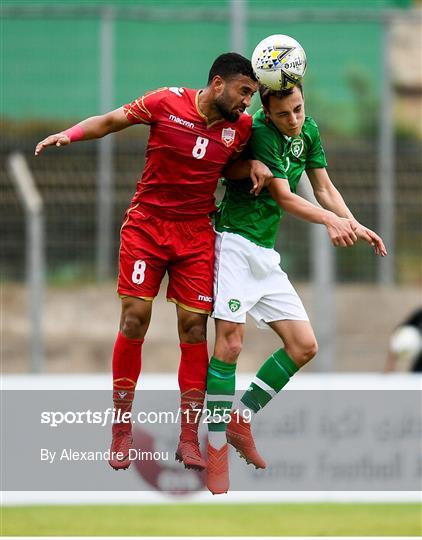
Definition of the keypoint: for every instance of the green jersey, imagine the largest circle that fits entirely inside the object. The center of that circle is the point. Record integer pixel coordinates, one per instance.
(258, 218)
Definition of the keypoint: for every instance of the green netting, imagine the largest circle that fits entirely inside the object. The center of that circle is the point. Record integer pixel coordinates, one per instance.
(50, 66)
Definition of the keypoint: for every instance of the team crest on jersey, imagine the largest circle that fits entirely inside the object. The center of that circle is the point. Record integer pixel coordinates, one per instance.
(296, 147)
(234, 304)
(227, 136)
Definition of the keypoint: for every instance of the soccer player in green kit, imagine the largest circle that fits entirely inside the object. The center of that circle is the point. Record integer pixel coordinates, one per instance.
(248, 278)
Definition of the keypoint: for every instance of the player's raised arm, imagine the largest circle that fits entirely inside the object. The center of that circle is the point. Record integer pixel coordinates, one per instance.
(340, 230)
(326, 193)
(330, 198)
(94, 127)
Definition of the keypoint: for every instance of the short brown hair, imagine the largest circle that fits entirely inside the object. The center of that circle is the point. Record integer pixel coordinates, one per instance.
(265, 93)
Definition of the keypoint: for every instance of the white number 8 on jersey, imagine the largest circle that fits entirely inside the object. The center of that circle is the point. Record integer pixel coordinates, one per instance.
(200, 147)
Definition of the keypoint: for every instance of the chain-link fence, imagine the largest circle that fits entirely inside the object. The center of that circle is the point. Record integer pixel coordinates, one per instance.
(67, 180)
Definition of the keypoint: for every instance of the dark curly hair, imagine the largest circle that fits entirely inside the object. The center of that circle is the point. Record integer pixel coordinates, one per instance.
(229, 65)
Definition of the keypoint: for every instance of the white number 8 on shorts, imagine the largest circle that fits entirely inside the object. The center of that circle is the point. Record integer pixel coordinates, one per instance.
(138, 274)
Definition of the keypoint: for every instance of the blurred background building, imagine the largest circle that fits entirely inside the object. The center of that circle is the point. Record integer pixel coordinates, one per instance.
(63, 62)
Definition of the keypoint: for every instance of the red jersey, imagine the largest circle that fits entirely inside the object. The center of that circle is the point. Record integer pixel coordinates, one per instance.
(185, 157)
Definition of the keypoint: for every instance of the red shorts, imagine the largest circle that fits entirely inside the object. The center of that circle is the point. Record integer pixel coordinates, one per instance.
(150, 246)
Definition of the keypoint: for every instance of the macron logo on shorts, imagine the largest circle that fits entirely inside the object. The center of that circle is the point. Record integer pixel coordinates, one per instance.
(205, 298)
(181, 121)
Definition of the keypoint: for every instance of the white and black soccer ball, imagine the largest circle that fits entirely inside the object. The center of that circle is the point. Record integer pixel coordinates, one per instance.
(279, 62)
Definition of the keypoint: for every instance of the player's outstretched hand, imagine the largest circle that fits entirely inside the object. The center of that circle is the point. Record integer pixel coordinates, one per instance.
(260, 176)
(58, 139)
(341, 231)
(363, 233)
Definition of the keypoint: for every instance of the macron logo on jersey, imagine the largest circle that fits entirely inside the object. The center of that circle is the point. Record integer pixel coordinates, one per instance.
(204, 298)
(181, 121)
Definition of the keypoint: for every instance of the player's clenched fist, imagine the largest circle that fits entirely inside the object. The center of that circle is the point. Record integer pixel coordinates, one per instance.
(58, 139)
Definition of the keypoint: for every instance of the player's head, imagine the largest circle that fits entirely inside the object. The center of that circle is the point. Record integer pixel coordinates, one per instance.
(233, 83)
(285, 108)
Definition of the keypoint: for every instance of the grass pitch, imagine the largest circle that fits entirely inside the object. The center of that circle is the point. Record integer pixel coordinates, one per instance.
(215, 520)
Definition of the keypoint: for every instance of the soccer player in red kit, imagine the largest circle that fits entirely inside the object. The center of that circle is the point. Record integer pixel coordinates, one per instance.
(193, 135)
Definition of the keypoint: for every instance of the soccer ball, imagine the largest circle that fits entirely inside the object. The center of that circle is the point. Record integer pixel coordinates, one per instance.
(279, 62)
(406, 343)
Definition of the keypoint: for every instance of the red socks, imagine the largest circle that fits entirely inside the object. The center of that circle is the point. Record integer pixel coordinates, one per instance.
(192, 383)
(126, 369)
(192, 379)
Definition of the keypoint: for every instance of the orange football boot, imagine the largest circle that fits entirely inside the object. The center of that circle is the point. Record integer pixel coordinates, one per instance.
(239, 435)
(189, 454)
(121, 443)
(218, 469)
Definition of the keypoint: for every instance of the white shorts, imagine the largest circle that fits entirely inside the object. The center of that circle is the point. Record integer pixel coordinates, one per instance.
(248, 279)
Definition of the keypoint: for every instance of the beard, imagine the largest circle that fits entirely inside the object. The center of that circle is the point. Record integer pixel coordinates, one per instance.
(226, 112)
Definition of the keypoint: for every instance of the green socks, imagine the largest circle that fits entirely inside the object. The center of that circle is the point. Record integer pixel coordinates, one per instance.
(272, 376)
(221, 384)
